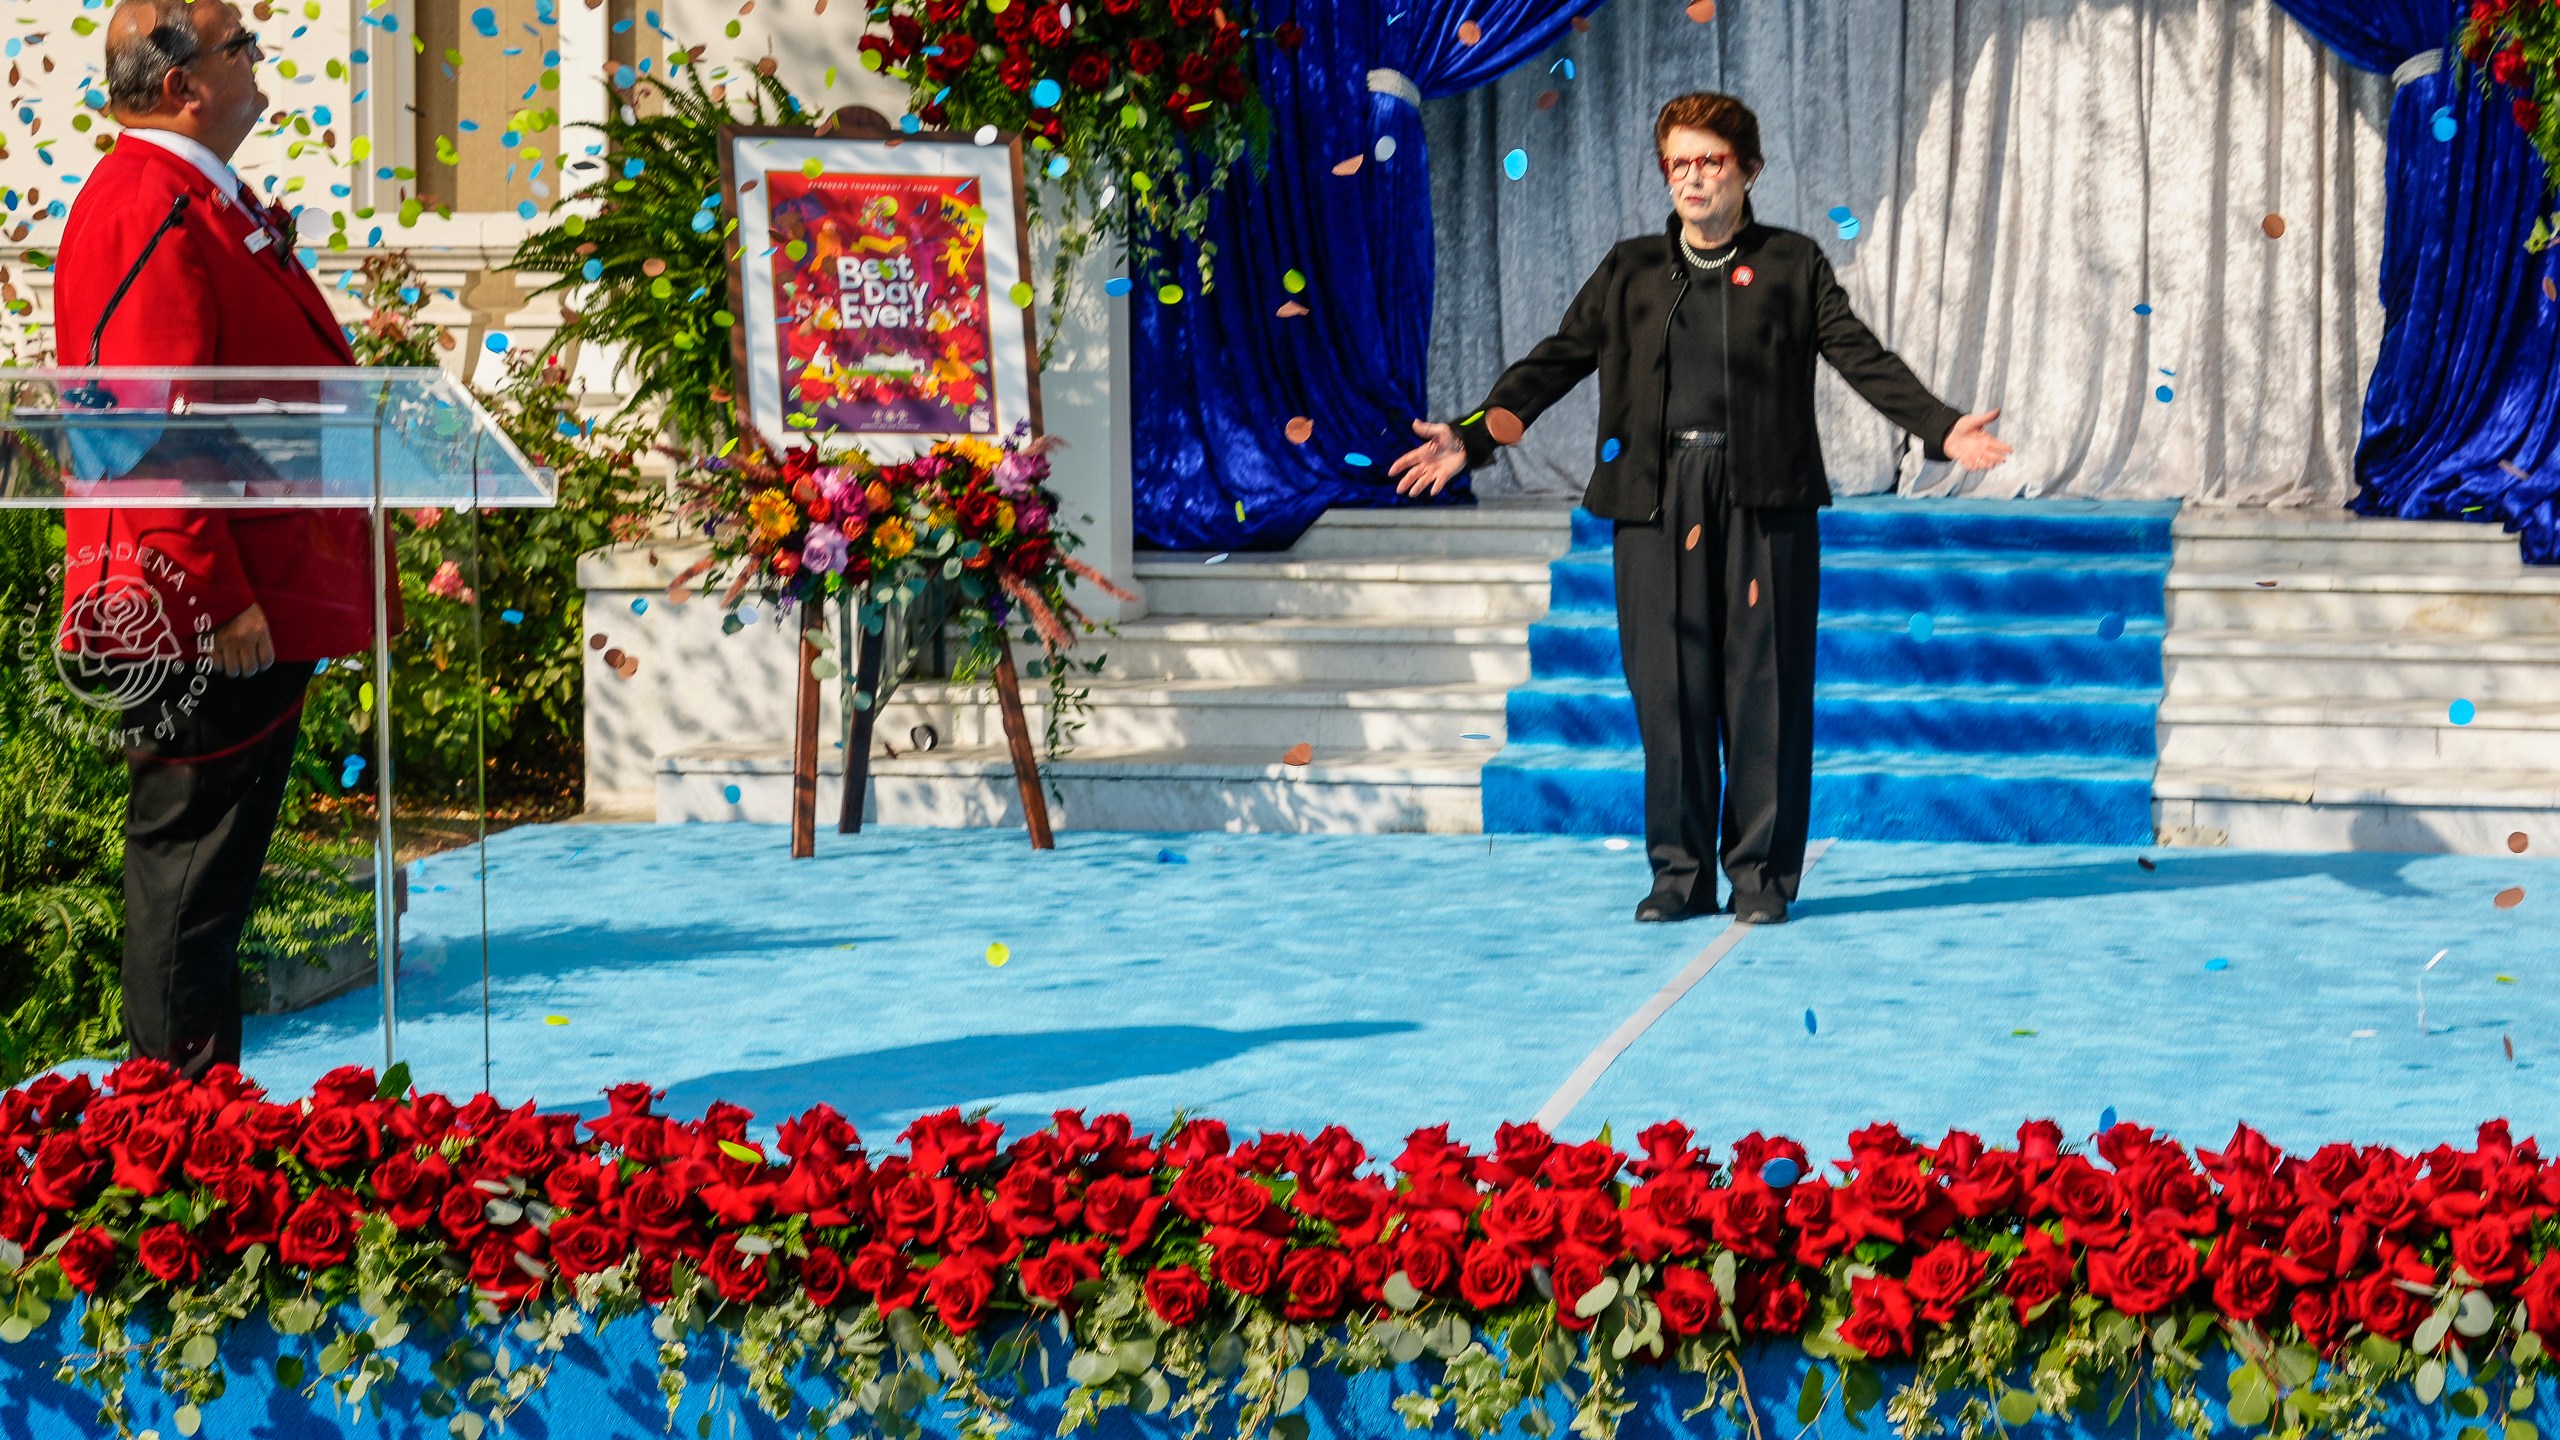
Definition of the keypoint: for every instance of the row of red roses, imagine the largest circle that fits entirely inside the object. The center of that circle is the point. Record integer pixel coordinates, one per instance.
(2339, 1231)
(2507, 63)
(1202, 46)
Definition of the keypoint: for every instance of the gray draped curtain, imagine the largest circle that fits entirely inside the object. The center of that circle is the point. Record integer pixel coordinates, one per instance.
(2023, 174)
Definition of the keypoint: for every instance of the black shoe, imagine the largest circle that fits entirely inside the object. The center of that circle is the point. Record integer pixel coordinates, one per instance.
(1760, 910)
(1662, 905)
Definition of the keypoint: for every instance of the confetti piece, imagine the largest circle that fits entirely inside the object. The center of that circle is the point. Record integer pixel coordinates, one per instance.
(2510, 898)
(630, 666)
(1503, 426)
(740, 1153)
(1020, 294)
(2164, 394)
(1169, 295)
(2509, 1041)
(2146, 862)
(2506, 979)
(2217, 963)
(1696, 533)
(729, 793)
(2268, 584)
(512, 617)
(497, 342)
(2111, 627)
(1215, 559)
(998, 953)
(2106, 1120)
(1239, 512)
(1299, 754)
(1473, 736)
(1046, 94)
(1385, 149)
(1469, 32)
(2518, 842)
(986, 135)
(2030, 1034)
(2550, 288)
(653, 267)
(555, 1019)
(1809, 1025)
(1609, 449)
(596, 641)
(1293, 282)
(640, 606)
(2362, 1034)
(2446, 127)
(2142, 310)
(1751, 597)
(1923, 626)
(1547, 99)
(2274, 226)
(1172, 857)
(1780, 1173)
(613, 659)
(1357, 461)
(1350, 166)
(1293, 310)
(1581, 26)
(1516, 164)
(1613, 843)
(1300, 430)
(2462, 712)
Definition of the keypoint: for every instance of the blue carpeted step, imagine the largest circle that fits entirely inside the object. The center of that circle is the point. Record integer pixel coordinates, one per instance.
(2041, 799)
(1884, 650)
(1941, 584)
(1887, 522)
(1999, 720)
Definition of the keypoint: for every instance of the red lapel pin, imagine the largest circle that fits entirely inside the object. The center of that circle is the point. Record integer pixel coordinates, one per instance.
(1742, 275)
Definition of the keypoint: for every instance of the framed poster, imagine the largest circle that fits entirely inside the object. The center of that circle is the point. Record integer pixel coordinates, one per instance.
(873, 275)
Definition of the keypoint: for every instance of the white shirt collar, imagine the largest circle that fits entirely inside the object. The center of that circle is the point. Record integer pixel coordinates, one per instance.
(226, 181)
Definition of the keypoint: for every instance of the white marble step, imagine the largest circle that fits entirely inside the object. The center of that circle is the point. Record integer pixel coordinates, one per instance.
(1191, 789)
(1355, 651)
(2411, 736)
(1168, 714)
(2345, 808)
(2440, 602)
(2288, 540)
(1397, 587)
(2360, 665)
(1488, 529)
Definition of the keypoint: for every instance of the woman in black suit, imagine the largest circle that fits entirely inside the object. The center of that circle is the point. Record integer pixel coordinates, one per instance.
(1708, 461)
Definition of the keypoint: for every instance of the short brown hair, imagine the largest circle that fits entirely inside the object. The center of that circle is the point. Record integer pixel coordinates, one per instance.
(1717, 114)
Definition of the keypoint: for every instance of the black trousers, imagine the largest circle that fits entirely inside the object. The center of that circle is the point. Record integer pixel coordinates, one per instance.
(197, 821)
(1716, 610)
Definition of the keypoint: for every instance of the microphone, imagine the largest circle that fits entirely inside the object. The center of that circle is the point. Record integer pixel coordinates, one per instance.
(94, 396)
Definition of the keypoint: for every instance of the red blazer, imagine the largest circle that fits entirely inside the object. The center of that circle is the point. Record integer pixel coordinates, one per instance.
(205, 298)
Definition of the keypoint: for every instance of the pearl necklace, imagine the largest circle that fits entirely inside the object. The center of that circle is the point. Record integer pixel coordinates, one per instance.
(1703, 263)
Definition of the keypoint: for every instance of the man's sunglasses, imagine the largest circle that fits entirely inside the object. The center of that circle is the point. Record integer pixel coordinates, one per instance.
(237, 43)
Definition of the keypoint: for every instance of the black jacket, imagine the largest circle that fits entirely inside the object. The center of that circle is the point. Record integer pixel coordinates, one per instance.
(1791, 309)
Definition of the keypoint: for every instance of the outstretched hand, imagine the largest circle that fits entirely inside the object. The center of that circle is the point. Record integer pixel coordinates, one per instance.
(1427, 468)
(1972, 445)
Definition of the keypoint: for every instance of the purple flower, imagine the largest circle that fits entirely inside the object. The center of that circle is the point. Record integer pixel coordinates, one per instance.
(826, 549)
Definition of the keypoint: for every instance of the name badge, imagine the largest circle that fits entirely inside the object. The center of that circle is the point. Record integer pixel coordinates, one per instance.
(258, 240)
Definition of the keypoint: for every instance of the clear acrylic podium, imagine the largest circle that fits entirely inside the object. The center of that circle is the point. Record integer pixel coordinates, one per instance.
(401, 448)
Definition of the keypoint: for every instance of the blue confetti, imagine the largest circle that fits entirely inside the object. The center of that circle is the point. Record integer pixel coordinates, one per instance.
(640, 606)
(320, 669)
(1609, 449)
(2217, 963)
(2111, 628)
(1842, 214)
(2142, 309)
(472, 126)
(1116, 285)
(2106, 1120)
(2462, 712)
(373, 236)
(1783, 1171)
(1923, 626)
(524, 209)
(701, 221)
(633, 166)
(1516, 164)
(1172, 857)
(729, 793)
(2164, 394)
(1849, 229)
(1564, 65)
(352, 762)
(1809, 1026)
(359, 57)
(1057, 166)
(485, 20)
(626, 77)
(1046, 94)
(2446, 127)
(512, 617)
(319, 114)
(497, 342)
(910, 123)
(1356, 460)
(592, 270)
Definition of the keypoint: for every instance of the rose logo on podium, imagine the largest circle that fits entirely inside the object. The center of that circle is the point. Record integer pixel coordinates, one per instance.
(119, 646)
(130, 653)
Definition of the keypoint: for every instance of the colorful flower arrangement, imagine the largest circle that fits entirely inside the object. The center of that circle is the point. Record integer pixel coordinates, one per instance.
(1151, 101)
(1200, 1275)
(2513, 47)
(970, 518)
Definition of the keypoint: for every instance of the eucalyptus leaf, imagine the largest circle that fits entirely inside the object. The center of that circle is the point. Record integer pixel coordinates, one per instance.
(1226, 1355)
(1135, 1357)
(1405, 1344)
(1159, 1392)
(1810, 1397)
(289, 1372)
(1293, 1389)
(1091, 1367)
(1721, 1274)
(1400, 1291)
(187, 1418)
(1451, 1335)
(2431, 1331)
(466, 1425)
(2296, 1365)
(2523, 1430)
(2469, 1403)
(1598, 1298)
(2476, 1315)
(2430, 1382)
(15, 1328)
(2017, 1407)
(2250, 1405)
(200, 1352)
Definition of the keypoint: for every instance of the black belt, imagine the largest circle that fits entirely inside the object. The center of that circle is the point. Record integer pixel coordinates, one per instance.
(1696, 439)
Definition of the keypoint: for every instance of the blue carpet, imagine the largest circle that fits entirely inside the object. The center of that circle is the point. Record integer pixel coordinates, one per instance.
(1384, 982)
(1988, 670)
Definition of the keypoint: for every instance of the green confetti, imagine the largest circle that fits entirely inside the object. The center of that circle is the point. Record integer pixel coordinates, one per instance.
(1170, 295)
(1131, 117)
(796, 251)
(740, 1153)
(1293, 282)
(1020, 293)
(2023, 1032)
(811, 167)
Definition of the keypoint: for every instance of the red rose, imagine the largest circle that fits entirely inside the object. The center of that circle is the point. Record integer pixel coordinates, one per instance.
(655, 1207)
(1194, 71)
(217, 1150)
(1992, 1185)
(339, 1136)
(505, 1267)
(1049, 26)
(2488, 1251)
(879, 1271)
(1580, 1167)
(1577, 1271)
(64, 1173)
(171, 1255)
(2540, 1293)
(321, 1232)
(1089, 71)
(740, 1274)
(1591, 1218)
(1119, 7)
(1315, 1283)
(2385, 1200)
(464, 1213)
(1145, 56)
(2317, 1247)
(2528, 115)
(2382, 1307)
(1055, 1275)
(1246, 1263)
(584, 1245)
(1192, 12)
(1941, 1279)
(2509, 68)
(1124, 1207)
(960, 1287)
(21, 1218)
(911, 1211)
(1688, 1301)
(1289, 36)
(1769, 1308)
(147, 1154)
(1880, 1317)
(1178, 1295)
(2038, 1274)
(141, 1076)
(1230, 84)
(1748, 1218)
(253, 1207)
(2249, 1285)
(522, 1146)
(1491, 1277)
(1017, 73)
(822, 1275)
(88, 1259)
(2169, 1194)
(2144, 1274)
(1523, 1217)
(2324, 1314)
(1429, 1261)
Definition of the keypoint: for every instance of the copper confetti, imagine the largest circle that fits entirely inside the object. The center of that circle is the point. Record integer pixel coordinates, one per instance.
(2550, 288)
(1503, 426)
(1547, 99)
(596, 641)
(1752, 596)
(1293, 310)
(1300, 430)
(1702, 11)
(2518, 841)
(1581, 26)
(1469, 32)
(653, 267)
(1695, 531)
(613, 659)
(1350, 166)
(629, 667)
(1299, 754)
(2266, 584)
(2513, 469)
(2510, 1042)
(2274, 226)
(2511, 897)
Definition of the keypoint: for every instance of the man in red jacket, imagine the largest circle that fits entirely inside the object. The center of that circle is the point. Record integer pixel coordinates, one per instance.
(258, 596)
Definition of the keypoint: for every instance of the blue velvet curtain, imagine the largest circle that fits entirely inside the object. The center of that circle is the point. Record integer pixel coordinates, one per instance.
(1218, 376)
(2462, 421)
